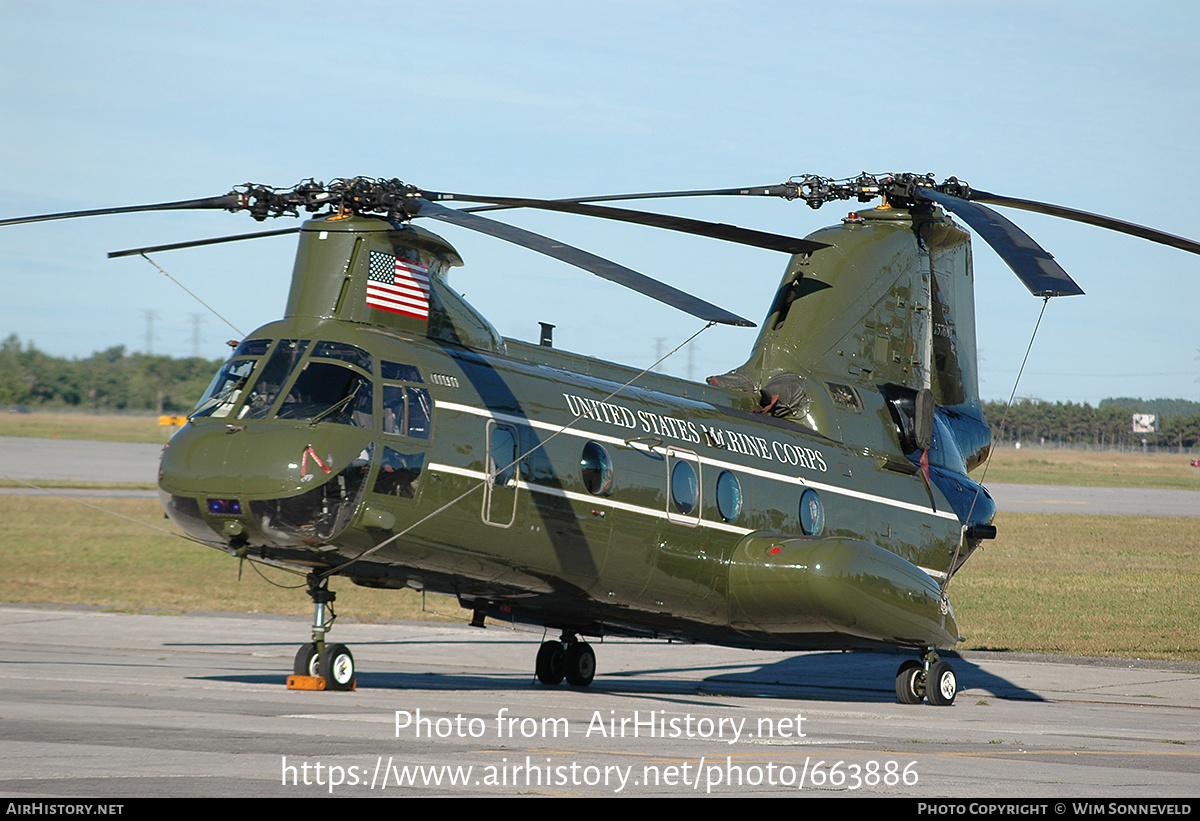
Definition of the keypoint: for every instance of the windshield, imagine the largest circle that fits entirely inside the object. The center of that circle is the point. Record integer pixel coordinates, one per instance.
(321, 390)
(346, 353)
(226, 388)
(325, 391)
(279, 366)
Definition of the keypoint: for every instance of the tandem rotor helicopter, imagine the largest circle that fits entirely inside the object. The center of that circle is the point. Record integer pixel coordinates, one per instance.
(815, 497)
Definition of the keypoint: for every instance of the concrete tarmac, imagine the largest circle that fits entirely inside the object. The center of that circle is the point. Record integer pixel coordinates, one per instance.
(111, 705)
(78, 460)
(1106, 501)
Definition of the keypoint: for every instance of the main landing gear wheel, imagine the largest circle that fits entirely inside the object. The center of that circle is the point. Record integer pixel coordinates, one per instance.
(580, 663)
(567, 658)
(914, 684)
(306, 660)
(550, 658)
(942, 684)
(910, 682)
(336, 666)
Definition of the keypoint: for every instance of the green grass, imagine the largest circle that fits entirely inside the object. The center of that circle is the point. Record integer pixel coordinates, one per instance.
(1031, 466)
(97, 427)
(1113, 586)
(61, 552)
(1121, 586)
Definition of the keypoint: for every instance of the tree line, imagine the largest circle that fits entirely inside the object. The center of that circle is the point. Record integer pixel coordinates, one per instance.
(1110, 425)
(108, 380)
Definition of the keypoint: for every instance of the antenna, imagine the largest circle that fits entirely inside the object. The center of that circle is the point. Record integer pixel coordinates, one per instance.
(150, 317)
(196, 320)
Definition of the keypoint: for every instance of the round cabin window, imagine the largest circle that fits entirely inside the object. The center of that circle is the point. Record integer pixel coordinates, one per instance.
(596, 469)
(729, 496)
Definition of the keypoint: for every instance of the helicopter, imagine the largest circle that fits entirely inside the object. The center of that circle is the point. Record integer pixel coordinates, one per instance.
(816, 497)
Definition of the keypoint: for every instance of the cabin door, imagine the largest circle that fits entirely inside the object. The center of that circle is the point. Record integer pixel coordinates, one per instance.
(503, 473)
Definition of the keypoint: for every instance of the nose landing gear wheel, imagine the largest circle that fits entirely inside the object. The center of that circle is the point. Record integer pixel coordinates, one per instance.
(942, 684)
(336, 666)
(910, 682)
(306, 661)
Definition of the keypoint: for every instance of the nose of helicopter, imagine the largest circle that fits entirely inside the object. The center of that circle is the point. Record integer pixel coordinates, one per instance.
(263, 484)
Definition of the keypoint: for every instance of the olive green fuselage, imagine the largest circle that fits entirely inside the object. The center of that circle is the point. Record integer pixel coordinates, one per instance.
(557, 489)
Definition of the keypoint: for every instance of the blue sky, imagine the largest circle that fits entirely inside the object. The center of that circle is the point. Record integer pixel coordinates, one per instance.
(1087, 104)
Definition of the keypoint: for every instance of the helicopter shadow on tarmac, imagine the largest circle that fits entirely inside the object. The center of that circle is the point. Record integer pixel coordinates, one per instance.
(834, 675)
(855, 676)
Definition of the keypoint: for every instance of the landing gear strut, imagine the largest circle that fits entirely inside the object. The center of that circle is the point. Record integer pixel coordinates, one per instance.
(332, 662)
(930, 679)
(567, 658)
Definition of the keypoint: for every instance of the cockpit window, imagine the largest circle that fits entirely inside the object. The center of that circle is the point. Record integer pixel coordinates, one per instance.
(407, 411)
(279, 366)
(400, 372)
(226, 388)
(251, 347)
(420, 411)
(344, 352)
(321, 391)
(327, 392)
(393, 409)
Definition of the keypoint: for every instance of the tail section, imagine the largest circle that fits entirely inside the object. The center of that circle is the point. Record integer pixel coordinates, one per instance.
(887, 310)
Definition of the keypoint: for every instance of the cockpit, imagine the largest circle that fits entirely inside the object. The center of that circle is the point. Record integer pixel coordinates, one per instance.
(264, 379)
(286, 490)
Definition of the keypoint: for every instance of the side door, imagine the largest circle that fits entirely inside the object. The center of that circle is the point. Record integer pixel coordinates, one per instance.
(688, 577)
(503, 473)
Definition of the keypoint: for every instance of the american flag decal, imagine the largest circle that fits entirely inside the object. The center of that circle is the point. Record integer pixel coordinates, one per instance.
(398, 285)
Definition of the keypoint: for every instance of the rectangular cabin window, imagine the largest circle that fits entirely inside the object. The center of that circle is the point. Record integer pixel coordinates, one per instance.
(420, 412)
(393, 410)
(407, 411)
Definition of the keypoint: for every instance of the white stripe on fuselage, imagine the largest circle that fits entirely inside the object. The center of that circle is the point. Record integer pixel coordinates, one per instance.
(706, 460)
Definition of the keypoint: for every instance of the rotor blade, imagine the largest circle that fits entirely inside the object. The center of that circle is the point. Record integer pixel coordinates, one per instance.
(758, 191)
(745, 191)
(133, 252)
(1032, 263)
(582, 259)
(754, 190)
(226, 201)
(1183, 243)
(715, 230)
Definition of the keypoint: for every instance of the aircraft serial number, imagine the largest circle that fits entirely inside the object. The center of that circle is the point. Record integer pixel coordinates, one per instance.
(443, 379)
